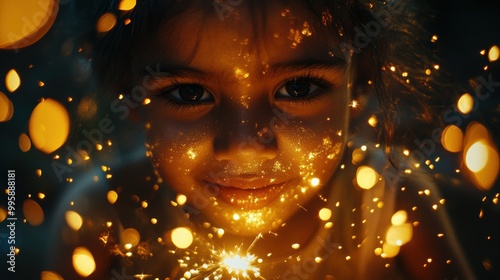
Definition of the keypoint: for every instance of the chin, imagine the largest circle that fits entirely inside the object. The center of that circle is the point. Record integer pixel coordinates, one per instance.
(248, 223)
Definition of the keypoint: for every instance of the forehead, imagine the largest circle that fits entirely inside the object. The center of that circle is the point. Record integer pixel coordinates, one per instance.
(246, 33)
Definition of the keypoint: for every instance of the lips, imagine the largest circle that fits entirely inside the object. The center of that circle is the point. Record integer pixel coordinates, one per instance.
(249, 194)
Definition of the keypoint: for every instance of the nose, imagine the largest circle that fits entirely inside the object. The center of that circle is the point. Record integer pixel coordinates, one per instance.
(244, 134)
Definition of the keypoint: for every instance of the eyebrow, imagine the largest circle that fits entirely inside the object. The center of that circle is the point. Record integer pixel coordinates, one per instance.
(173, 71)
(300, 66)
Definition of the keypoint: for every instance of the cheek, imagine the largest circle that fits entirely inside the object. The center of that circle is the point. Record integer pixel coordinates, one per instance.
(315, 144)
(177, 148)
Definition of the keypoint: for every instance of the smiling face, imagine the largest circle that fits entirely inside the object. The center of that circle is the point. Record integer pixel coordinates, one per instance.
(249, 115)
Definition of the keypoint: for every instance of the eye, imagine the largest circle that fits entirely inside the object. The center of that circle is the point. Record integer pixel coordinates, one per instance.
(298, 87)
(189, 93)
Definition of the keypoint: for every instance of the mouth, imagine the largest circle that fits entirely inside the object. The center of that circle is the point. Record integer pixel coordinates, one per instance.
(249, 194)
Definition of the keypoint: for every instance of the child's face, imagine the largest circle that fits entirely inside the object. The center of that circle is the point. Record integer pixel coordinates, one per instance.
(251, 119)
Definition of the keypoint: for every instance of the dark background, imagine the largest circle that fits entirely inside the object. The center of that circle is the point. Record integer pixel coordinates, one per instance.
(464, 27)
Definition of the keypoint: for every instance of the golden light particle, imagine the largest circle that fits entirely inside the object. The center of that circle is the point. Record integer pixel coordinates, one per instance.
(6, 108)
(372, 121)
(399, 218)
(49, 125)
(3, 214)
(83, 261)
(325, 214)
(295, 246)
(130, 236)
(112, 196)
(494, 53)
(106, 22)
(314, 182)
(399, 235)
(465, 103)
(389, 250)
(366, 177)
(23, 23)
(74, 220)
(477, 156)
(33, 212)
(236, 217)
(154, 221)
(50, 275)
(126, 5)
(182, 237)
(181, 199)
(220, 232)
(24, 143)
(12, 80)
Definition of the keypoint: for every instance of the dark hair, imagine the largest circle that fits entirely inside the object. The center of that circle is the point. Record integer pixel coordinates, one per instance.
(390, 49)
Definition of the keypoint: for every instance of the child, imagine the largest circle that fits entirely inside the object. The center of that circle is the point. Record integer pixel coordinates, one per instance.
(252, 117)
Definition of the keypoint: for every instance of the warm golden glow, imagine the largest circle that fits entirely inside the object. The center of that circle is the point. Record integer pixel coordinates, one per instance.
(325, 214)
(372, 121)
(6, 108)
(389, 250)
(50, 275)
(366, 177)
(130, 236)
(399, 218)
(49, 125)
(74, 220)
(476, 156)
(126, 5)
(465, 103)
(181, 199)
(3, 214)
(486, 177)
(106, 22)
(314, 182)
(182, 237)
(23, 23)
(112, 196)
(24, 142)
(12, 80)
(33, 212)
(494, 53)
(83, 261)
(239, 265)
(452, 138)
(400, 234)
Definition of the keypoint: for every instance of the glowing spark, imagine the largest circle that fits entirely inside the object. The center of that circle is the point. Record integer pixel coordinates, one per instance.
(237, 265)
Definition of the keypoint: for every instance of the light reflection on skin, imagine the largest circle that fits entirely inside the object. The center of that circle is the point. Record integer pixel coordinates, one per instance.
(198, 148)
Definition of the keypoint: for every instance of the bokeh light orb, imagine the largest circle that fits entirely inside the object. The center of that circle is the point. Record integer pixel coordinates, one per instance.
(12, 80)
(49, 125)
(452, 138)
(23, 23)
(33, 212)
(83, 261)
(6, 108)
(182, 237)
